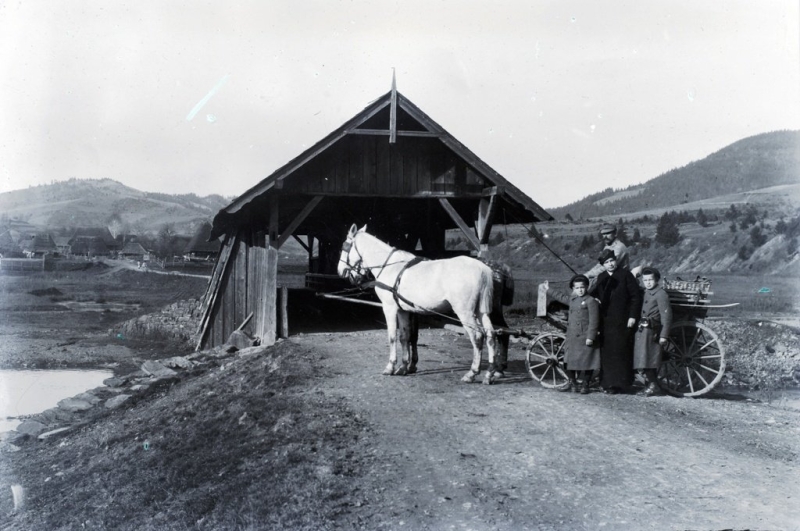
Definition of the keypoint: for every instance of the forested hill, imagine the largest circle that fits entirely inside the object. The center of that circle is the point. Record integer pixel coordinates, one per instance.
(752, 163)
(98, 202)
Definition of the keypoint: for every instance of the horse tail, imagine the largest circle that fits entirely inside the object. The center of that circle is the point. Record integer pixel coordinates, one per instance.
(487, 292)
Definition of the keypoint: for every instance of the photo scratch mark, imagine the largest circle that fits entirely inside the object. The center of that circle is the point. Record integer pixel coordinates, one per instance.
(208, 96)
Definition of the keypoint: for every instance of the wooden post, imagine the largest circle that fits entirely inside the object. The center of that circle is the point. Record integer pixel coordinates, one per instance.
(284, 311)
(269, 303)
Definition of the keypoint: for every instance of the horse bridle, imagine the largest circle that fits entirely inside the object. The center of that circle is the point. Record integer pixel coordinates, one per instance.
(358, 268)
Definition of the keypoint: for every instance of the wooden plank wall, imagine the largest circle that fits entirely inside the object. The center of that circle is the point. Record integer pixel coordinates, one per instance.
(249, 284)
(369, 165)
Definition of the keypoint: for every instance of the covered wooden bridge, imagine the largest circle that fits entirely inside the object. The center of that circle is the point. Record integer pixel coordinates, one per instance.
(390, 167)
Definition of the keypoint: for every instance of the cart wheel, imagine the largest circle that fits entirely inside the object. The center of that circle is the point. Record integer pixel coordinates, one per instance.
(545, 361)
(693, 361)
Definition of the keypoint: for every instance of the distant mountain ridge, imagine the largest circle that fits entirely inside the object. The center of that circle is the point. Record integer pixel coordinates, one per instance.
(753, 163)
(96, 202)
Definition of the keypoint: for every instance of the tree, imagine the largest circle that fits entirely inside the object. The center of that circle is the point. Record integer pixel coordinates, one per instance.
(732, 213)
(702, 219)
(637, 236)
(568, 217)
(780, 226)
(757, 238)
(732, 226)
(166, 240)
(114, 224)
(667, 232)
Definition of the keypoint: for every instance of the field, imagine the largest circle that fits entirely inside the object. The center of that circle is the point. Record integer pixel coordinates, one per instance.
(308, 435)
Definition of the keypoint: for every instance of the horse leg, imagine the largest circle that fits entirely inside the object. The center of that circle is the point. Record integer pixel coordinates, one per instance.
(491, 346)
(413, 337)
(475, 335)
(403, 331)
(390, 313)
(502, 341)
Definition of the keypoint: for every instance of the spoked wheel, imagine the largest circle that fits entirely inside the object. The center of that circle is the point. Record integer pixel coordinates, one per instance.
(693, 361)
(545, 361)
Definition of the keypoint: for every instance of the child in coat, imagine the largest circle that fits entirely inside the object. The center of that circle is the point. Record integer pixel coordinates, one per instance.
(581, 352)
(653, 330)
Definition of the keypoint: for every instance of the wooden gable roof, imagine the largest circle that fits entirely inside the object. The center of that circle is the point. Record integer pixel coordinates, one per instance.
(396, 117)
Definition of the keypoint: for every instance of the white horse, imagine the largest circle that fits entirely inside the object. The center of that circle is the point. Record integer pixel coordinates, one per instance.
(461, 284)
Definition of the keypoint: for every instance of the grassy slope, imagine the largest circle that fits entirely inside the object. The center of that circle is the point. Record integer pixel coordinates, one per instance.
(237, 444)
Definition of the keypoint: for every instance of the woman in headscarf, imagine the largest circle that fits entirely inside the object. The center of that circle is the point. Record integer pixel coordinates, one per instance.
(620, 304)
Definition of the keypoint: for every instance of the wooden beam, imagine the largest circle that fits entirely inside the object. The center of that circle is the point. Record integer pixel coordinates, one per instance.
(298, 220)
(272, 233)
(468, 232)
(393, 112)
(302, 243)
(387, 132)
(486, 210)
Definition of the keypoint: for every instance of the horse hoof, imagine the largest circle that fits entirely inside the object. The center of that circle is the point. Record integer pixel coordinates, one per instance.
(389, 370)
(498, 374)
(401, 371)
(469, 377)
(412, 369)
(488, 379)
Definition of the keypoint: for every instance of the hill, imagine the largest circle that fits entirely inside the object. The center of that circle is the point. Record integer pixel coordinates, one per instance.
(99, 202)
(753, 163)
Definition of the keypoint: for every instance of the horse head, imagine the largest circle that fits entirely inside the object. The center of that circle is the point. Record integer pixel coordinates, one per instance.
(350, 260)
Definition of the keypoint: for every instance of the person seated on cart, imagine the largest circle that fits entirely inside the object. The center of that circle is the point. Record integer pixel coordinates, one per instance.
(608, 233)
(580, 348)
(620, 304)
(653, 330)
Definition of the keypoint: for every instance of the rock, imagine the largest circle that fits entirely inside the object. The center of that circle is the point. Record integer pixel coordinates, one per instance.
(154, 368)
(8, 447)
(89, 397)
(16, 438)
(48, 434)
(177, 362)
(55, 415)
(74, 404)
(139, 387)
(115, 402)
(31, 427)
(240, 340)
(115, 382)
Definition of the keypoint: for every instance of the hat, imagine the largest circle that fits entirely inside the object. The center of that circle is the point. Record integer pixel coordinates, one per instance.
(605, 255)
(578, 278)
(608, 228)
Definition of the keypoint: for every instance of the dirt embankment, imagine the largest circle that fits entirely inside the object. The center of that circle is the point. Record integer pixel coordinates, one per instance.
(308, 435)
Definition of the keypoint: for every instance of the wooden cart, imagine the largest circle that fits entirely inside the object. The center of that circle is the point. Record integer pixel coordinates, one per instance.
(693, 361)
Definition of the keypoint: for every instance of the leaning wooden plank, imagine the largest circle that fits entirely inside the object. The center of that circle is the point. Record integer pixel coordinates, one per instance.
(230, 242)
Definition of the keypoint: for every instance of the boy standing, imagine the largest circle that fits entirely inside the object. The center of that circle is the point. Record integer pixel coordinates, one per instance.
(581, 352)
(653, 330)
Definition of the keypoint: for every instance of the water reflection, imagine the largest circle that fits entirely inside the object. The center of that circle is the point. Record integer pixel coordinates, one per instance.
(29, 392)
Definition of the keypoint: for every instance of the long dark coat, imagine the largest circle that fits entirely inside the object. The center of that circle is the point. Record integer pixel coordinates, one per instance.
(583, 323)
(620, 300)
(656, 315)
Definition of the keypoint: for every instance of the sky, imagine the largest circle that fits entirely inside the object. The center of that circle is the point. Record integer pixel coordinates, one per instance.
(563, 98)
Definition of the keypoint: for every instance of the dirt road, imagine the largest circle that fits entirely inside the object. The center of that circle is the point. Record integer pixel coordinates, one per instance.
(448, 455)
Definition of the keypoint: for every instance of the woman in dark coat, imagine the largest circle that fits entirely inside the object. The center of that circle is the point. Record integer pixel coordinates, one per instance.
(620, 304)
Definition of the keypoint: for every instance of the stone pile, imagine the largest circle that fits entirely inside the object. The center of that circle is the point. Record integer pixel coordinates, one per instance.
(178, 321)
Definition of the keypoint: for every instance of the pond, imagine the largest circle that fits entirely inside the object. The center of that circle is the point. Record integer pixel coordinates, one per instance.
(27, 392)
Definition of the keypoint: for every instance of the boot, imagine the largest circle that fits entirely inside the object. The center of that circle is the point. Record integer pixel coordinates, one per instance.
(585, 387)
(571, 387)
(653, 389)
